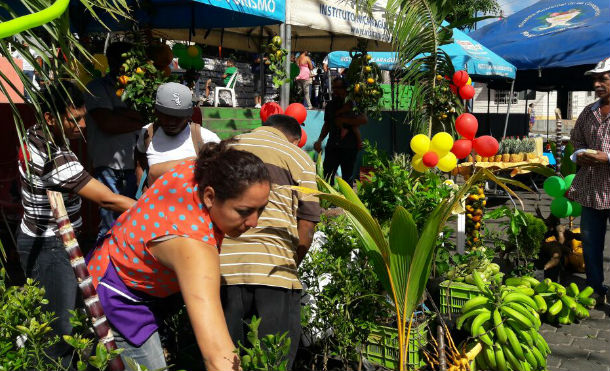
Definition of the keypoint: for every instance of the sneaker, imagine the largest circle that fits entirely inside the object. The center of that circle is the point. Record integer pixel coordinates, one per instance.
(257, 106)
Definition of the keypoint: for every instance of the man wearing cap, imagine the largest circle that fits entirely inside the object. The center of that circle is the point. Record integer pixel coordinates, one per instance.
(112, 129)
(157, 151)
(591, 186)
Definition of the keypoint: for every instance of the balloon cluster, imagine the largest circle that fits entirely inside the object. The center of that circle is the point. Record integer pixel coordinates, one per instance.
(467, 125)
(433, 153)
(296, 110)
(189, 57)
(462, 85)
(557, 187)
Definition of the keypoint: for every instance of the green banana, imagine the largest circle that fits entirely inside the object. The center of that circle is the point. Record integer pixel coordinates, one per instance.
(531, 360)
(483, 336)
(515, 345)
(526, 311)
(476, 302)
(541, 303)
(559, 289)
(526, 366)
(585, 293)
(572, 289)
(525, 336)
(564, 316)
(500, 360)
(520, 318)
(512, 359)
(481, 364)
(532, 281)
(516, 281)
(499, 325)
(540, 343)
(478, 321)
(525, 290)
(556, 308)
(568, 301)
(587, 302)
(539, 357)
(489, 356)
(543, 286)
(472, 313)
(581, 311)
(521, 298)
(478, 281)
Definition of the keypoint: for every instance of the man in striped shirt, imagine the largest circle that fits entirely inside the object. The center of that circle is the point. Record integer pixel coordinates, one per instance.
(259, 269)
(49, 164)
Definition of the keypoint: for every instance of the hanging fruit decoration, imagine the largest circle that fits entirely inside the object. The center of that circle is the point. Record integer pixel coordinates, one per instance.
(363, 77)
(276, 56)
(557, 187)
(475, 207)
(189, 57)
(140, 75)
(433, 153)
(444, 106)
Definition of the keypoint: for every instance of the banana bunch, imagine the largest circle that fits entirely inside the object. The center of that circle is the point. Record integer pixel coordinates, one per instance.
(506, 322)
(489, 271)
(475, 203)
(561, 304)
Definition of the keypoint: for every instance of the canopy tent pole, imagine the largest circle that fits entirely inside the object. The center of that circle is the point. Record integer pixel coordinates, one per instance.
(510, 100)
(488, 106)
(261, 71)
(285, 31)
(548, 100)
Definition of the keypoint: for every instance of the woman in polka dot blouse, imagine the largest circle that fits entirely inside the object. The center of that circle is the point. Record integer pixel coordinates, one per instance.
(168, 242)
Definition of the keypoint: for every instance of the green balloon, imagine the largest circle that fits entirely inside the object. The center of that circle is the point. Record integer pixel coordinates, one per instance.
(561, 207)
(555, 186)
(197, 63)
(179, 50)
(576, 209)
(568, 180)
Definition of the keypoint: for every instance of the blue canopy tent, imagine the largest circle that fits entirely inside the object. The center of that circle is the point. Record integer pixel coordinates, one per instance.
(552, 42)
(465, 53)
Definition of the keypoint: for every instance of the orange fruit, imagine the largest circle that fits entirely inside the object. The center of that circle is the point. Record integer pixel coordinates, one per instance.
(357, 88)
(120, 92)
(139, 71)
(370, 80)
(123, 80)
(368, 69)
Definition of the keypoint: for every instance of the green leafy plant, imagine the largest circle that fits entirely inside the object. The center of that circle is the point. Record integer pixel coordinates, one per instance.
(345, 298)
(277, 58)
(268, 353)
(363, 77)
(523, 234)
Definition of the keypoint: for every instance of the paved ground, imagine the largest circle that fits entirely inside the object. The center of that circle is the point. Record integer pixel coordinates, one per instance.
(584, 346)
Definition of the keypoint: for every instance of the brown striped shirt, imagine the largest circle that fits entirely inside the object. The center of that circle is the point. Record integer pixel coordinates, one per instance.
(53, 168)
(265, 255)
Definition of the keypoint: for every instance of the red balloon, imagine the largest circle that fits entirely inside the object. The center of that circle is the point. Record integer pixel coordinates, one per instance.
(303, 140)
(269, 109)
(467, 125)
(466, 92)
(453, 88)
(298, 111)
(486, 146)
(462, 148)
(430, 159)
(460, 78)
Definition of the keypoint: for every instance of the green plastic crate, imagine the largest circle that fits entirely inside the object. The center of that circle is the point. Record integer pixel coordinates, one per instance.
(382, 346)
(455, 294)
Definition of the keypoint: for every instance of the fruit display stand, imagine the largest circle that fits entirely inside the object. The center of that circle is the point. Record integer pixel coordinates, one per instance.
(382, 346)
(454, 294)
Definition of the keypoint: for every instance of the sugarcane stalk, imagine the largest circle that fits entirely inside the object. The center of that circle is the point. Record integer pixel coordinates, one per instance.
(85, 281)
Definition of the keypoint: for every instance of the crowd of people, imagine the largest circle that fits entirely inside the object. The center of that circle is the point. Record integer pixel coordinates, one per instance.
(182, 213)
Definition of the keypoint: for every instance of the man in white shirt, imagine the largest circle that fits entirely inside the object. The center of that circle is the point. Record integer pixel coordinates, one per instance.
(157, 151)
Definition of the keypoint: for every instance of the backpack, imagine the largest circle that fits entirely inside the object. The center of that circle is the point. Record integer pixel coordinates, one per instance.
(148, 136)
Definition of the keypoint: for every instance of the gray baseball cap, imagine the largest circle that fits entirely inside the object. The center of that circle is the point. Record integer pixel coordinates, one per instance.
(174, 99)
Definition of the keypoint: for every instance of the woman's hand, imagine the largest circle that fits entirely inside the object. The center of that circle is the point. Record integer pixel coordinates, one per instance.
(197, 267)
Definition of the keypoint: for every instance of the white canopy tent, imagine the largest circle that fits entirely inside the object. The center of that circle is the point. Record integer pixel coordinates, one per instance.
(315, 25)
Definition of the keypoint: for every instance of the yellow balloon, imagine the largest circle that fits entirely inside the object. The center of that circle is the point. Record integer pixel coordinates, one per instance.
(417, 164)
(192, 51)
(447, 162)
(420, 144)
(441, 143)
(469, 82)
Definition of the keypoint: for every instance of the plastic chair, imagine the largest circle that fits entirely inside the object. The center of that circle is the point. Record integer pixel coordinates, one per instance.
(230, 88)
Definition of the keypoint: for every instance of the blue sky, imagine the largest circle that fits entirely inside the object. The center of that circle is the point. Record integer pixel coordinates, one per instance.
(509, 7)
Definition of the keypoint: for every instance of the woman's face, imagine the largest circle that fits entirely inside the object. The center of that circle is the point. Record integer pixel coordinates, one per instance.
(234, 216)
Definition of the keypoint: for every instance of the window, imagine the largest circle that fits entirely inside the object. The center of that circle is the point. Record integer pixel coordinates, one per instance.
(503, 96)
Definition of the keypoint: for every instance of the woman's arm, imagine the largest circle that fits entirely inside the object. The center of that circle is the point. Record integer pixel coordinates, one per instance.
(309, 63)
(197, 266)
(103, 196)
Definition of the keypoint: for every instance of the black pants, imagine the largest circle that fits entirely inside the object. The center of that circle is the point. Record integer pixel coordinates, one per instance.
(278, 308)
(45, 260)
(344, 157)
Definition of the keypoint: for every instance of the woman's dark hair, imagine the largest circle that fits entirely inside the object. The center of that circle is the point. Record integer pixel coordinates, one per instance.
(286, 124)
(60, 95)
(228, 171)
